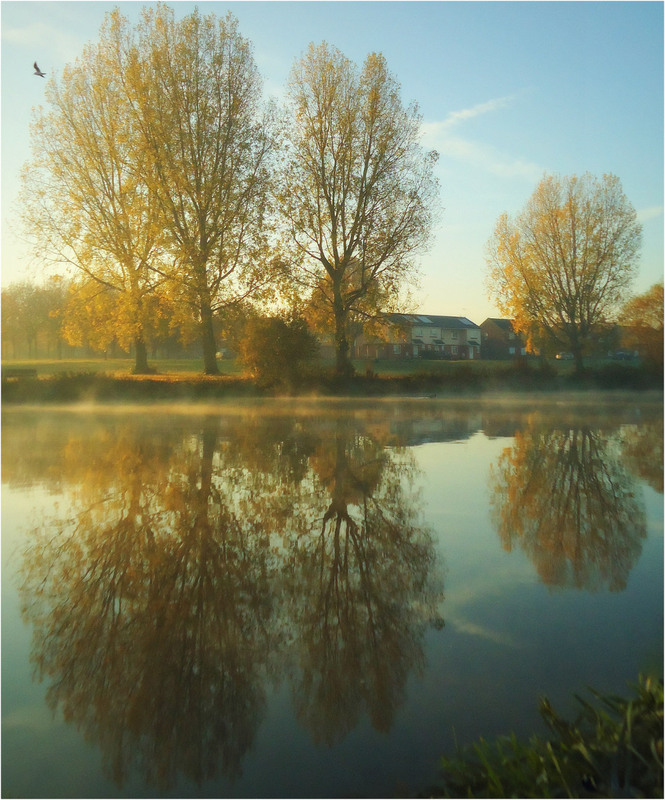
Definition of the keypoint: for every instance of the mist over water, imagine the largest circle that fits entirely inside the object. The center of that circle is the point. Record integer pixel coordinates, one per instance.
(315, 598)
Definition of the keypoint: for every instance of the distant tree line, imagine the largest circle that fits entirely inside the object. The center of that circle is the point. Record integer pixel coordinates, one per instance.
(49, 320)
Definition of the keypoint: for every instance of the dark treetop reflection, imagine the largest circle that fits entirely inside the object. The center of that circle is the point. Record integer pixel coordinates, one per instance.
(191, 569)
(642, 448)
(563, 495)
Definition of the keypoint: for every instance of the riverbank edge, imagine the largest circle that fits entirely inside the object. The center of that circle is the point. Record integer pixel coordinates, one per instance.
(71, 388)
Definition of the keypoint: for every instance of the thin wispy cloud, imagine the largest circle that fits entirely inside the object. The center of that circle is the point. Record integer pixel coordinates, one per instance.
(484, 632)
(456, 117)
(488, 158)
(40, 35)
(439, 136)
(653, 212)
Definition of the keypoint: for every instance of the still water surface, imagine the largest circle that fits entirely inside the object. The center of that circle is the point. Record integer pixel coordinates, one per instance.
(314, 600)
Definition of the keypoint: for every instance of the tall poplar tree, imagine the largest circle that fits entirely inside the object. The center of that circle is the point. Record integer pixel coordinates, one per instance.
(358, 193)
(87, 201)
(197, 93)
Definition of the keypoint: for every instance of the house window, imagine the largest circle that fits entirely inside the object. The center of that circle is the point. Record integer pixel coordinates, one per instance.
(453, 349)
(454, 334)
(511, 351)
(397, 349)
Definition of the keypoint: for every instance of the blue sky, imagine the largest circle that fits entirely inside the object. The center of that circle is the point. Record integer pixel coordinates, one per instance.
(508, 92)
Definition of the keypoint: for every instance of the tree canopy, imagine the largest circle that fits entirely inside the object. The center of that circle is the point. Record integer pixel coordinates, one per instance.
(198, 95)
(561, 266)
(642, 315)
(87, 202)
(359, 193)
(150, 168)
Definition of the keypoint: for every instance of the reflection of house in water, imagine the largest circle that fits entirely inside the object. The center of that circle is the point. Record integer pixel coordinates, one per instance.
(444, 427)
(500, 424)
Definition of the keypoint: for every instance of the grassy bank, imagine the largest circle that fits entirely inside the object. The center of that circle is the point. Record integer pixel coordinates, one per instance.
(614, 748)
(112, 381)
(383, 368)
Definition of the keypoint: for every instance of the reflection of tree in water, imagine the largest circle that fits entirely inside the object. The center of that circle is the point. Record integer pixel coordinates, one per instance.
(151, 616)
(363, 585)
(565, 498)
(162, 602)
(643, 451)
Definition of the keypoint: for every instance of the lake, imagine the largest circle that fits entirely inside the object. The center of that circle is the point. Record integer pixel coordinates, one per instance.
(315, 599)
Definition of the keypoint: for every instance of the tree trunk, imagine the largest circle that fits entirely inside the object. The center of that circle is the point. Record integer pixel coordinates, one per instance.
(343, 365)
(208, 343)
(141, 361)
(576, 349)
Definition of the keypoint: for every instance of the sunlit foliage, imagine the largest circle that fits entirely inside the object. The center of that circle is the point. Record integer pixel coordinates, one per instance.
(359, 193)
(150, 171)
(32, 318)
(564, 263)
(643, 317)
(86, 196)
(208, 141)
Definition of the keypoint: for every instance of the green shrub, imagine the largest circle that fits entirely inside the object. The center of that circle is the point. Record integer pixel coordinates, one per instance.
(274, 351)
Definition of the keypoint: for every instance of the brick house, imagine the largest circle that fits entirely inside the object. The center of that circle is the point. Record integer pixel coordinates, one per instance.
(422, 336)
(500, 341)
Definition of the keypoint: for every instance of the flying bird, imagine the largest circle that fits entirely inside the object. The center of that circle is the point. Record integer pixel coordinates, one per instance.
(38, 71)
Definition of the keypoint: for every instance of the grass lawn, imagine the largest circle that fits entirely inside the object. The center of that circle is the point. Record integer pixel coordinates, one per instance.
(120, 367)
(193, 367)
(395, 368)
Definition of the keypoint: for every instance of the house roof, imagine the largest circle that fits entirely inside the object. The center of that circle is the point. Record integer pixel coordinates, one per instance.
(505, 324)
(432, 321)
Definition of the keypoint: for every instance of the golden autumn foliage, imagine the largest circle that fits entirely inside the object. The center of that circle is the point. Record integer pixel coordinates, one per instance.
(358, 194)
(150, 175)
(96, 316)
(85, 193)
(642, 317)
(564, 263)
(208, 141)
